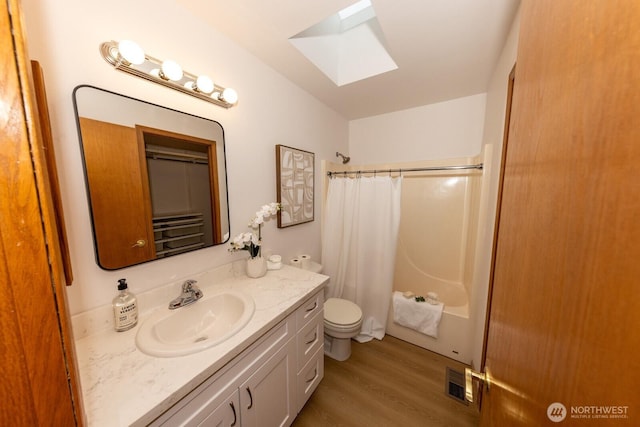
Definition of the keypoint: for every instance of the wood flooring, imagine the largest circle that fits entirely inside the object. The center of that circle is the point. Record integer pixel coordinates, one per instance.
(386, 383)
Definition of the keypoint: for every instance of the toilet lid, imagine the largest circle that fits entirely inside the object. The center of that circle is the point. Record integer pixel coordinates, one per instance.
(341, 311)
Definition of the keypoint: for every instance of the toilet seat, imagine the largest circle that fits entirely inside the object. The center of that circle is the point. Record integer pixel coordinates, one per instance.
(337, 328)
(341, 313)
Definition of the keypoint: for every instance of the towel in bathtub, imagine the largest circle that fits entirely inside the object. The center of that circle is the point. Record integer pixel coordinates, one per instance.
(420, 316)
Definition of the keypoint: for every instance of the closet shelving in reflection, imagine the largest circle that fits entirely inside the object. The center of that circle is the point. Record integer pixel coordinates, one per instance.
(176, 233)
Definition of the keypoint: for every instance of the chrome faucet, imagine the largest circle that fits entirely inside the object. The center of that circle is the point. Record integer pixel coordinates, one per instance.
(190, 294)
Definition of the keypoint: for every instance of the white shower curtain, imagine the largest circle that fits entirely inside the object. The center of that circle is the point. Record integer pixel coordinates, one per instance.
(362, 216)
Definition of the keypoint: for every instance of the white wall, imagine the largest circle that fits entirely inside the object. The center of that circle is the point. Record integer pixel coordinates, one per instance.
(444, 130)
(493, 134)
(64, 35)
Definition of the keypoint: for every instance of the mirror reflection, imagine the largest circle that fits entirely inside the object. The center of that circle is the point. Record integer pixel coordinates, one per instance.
(156, 178)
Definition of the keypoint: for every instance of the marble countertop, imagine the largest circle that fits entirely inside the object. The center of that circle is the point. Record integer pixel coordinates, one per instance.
(122, 386)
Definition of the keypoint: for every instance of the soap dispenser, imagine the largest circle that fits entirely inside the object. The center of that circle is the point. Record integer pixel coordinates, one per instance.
(125, 308)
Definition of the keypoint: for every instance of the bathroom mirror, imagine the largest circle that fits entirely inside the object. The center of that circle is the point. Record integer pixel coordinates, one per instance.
(156, 178)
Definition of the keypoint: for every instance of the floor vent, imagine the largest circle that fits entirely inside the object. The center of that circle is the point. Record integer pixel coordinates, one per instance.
(454, 385)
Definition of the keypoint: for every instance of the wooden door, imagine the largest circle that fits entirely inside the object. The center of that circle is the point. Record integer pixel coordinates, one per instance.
(118, 184)
(563, 335)
(39, 378)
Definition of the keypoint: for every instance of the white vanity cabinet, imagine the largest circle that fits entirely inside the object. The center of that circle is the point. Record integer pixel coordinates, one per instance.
(226, 414)
(265, 385)
(264, 399)
(309, 348)
(267, 398)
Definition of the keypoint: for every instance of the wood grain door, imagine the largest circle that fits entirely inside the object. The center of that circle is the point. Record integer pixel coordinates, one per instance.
(39, 378)
(564, 337)
(120, 201)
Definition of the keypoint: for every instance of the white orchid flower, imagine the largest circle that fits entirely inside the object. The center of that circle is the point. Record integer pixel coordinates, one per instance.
(249, 241)
(238, 241)
(255, 240)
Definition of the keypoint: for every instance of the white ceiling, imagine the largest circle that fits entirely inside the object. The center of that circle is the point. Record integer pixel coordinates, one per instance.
(444, 49)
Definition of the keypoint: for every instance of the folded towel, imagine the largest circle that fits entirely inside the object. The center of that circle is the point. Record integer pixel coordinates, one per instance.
(420, 316)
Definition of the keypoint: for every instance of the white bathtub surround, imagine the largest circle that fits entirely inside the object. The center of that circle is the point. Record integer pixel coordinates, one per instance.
(423, 317)
(440, 258)
(436, 247)
(359, 245)
(122, 385)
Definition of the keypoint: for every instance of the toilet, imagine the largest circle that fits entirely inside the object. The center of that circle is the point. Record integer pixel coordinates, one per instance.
(342, 321)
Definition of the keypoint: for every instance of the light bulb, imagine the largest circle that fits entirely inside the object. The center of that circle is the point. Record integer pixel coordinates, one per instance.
(131, 52)
(171, 70)
(204, 84)
(229, 96)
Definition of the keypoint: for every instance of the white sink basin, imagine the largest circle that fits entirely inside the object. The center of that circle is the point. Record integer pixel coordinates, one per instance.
(195, 327)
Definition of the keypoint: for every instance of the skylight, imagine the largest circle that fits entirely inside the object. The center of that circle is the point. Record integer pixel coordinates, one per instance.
(354, 8)
(348, 46)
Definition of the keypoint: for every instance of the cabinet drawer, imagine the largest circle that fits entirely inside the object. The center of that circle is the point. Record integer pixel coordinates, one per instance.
(309, 309)
(309, 377)
(310, 338)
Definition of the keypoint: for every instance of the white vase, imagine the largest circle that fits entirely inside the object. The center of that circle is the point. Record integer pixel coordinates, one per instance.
(256, 267)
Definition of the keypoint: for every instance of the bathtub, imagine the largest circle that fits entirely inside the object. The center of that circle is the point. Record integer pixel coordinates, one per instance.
(435, 253)
(454, 330)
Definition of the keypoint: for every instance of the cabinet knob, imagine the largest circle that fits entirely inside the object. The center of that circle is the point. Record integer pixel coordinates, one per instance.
(140, 243)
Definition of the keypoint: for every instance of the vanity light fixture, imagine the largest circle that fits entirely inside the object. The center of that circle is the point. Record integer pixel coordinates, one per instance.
(229, 95)
(131, 52)
(169, 70)
(129, 57)
(202, 84)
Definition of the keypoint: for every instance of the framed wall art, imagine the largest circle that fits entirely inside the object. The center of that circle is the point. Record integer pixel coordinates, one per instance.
(295, 185)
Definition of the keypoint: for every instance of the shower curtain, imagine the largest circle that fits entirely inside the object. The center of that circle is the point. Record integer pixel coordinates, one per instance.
(362, 216)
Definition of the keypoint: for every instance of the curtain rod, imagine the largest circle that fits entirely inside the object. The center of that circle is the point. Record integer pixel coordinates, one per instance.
(433, 168)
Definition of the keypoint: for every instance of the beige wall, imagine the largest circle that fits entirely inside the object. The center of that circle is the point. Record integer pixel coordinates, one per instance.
(64, 35)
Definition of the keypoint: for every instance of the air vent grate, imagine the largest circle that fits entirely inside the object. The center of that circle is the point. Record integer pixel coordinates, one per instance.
(454, 385)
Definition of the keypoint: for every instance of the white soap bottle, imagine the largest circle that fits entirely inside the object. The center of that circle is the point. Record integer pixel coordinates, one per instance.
(125, 308)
